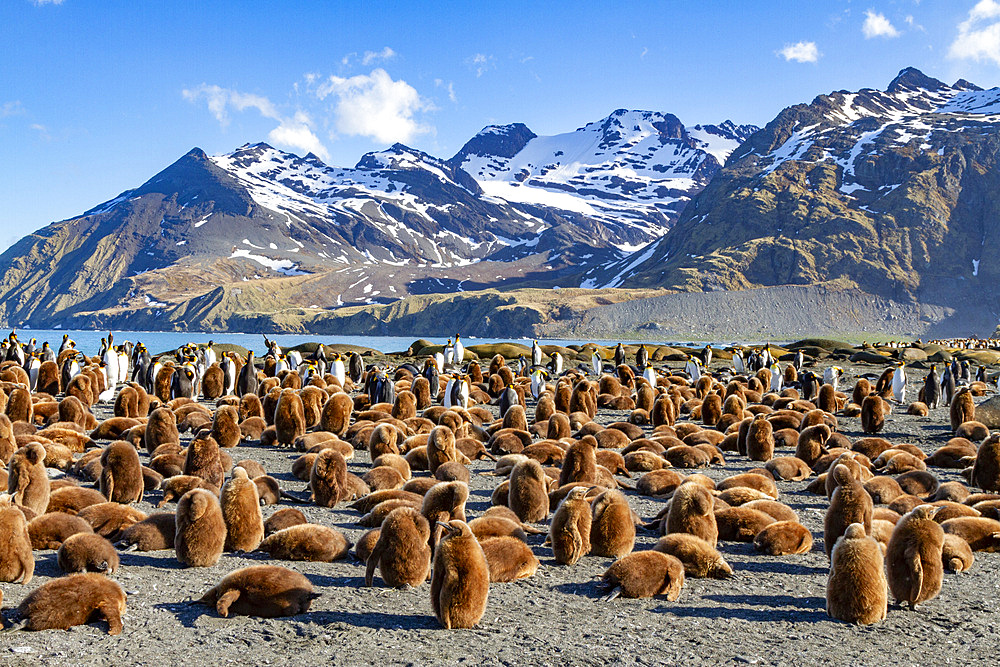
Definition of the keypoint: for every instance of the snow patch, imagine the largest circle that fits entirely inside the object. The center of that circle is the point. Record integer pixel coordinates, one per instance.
(283, 266)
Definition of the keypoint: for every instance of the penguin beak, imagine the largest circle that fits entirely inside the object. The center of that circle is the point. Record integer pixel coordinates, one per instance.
(448, 527)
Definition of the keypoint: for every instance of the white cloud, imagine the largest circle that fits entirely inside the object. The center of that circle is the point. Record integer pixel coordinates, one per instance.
(372, 56)
(979, 35)
(984, 9)
(375, 106)
(449, 87)
(39, 3)
(480, 63)
(14, 108)
(297, 132)
(912, 22)
(877, 25)
(294, 132)
(42, 131)
(220, 99)
(800, 52)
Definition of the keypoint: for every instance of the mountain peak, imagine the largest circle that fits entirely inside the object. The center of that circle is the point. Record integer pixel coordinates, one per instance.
(962, 84)
(397, 156)
(910, 78)
(504, 141)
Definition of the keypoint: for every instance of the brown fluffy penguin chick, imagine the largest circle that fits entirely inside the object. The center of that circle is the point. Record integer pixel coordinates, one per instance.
(87, 552)
(741, 524)
(913, 557)
(226, 426)
(485, 527)
(74, 600)
(204, 460)
(644, 574)
(328, 478)
(691, 511)
(700, 559)
(956, 554)
(51, 529)
(986, 469)
(336, 415)
(161, 429)
(580, 462)
(872, 414)
(254, 468)
(16, 560)
(240, 505)
(201, 530)
(121, 473)
(268, 490)
(460, 581)
(109, 519)
(307, 541)
(962, 408)
(850, 504)
(267, 591)
(443, 502)
(402, 553)
(289, 417)
(440, 447)
(366, 503)
(452, 471)
(856, 591)
(760, 439)
(503, 512)
(783, 538)
(366, 543)
(286, 517)
(154, 533)
(509, 559)
(383, 440)
(981, 533)
(612, 529)
(175, 487)
(528, 494)
(788, 468)
(569, 532)
(27, 481)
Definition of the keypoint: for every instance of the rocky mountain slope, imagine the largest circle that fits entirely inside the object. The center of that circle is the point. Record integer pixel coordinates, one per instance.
(634, 170)
(891, 192)
(262, 230)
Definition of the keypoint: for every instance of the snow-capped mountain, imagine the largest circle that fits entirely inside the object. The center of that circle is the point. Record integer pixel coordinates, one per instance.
(634, 170)
(208, 234)
(891, 191)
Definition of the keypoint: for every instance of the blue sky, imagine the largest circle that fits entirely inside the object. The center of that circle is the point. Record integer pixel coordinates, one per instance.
(96, 96)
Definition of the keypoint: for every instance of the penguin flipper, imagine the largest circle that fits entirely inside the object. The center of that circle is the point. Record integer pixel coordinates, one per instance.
(912, 556)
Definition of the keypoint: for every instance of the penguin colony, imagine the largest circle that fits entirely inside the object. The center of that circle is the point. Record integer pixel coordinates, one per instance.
(891, 529)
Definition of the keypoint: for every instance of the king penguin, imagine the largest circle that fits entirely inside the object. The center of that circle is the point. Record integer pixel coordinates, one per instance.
(899, 383)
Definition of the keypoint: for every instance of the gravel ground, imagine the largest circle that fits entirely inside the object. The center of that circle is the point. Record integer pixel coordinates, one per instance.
(771, 612)
(783, 312)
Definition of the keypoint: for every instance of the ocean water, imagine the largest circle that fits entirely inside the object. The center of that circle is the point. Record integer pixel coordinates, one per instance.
(156, 342)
